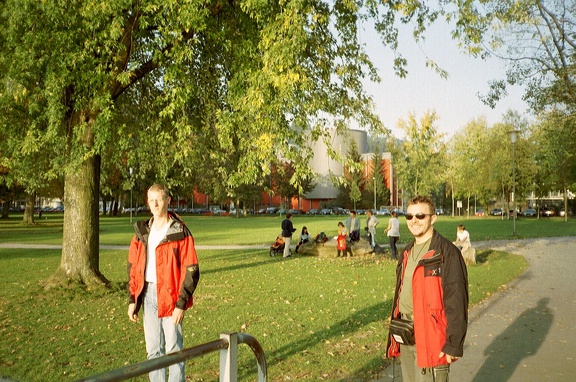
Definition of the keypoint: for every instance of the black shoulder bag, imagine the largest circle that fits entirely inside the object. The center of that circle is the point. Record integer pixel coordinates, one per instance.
(402, 331)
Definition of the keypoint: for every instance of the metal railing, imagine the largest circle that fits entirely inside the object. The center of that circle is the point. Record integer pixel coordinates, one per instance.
(227, 345)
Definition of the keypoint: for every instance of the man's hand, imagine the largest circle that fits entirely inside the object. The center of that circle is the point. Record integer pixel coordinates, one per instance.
(131, 315)
(177, 316)
(449, 358)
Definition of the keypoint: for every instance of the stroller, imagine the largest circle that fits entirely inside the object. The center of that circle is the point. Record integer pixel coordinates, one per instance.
(278, 246)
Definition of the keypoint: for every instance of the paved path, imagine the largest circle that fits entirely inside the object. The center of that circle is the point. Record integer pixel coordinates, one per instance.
(527, 332)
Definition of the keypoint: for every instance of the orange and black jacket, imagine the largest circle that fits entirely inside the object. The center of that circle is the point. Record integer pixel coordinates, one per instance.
(177, 269)
(440, 302)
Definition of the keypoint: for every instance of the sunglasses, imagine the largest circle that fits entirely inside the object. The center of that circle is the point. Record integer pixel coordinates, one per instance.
(418, 216)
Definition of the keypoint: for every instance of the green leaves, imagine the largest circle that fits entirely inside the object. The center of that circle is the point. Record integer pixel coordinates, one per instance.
(420, 158)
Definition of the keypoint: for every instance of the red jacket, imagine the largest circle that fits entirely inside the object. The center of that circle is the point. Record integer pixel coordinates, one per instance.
(177, 269)
(440, 301)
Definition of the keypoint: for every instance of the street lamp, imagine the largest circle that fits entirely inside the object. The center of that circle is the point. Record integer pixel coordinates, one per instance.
(513, 136)
(131, 195)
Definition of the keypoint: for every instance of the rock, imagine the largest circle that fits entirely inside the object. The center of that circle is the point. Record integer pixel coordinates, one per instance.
(469, 255)
(328, 249)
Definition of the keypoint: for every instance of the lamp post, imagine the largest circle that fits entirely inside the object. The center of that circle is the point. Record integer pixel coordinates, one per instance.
(131, 195)
(513, 136)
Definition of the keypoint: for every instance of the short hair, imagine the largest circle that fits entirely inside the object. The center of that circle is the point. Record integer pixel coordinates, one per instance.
(340, 224)
(461, 226)
(157, 187)
(288, 215)
(369, 211)
(353, 212)
(422, 199)
(393, 213)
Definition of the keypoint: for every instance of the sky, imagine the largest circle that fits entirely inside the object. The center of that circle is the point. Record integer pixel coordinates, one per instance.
(455, 99)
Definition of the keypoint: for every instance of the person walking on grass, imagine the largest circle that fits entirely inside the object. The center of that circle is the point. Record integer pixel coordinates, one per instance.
(432, 292)
(163, 275)
(393, 232)
(371, 223)
(287, 231)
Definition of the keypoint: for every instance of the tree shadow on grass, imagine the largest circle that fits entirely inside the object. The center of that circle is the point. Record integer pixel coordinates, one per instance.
(349, 325)
(520, 340)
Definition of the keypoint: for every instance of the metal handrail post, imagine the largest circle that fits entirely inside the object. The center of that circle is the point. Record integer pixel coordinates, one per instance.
(229, 358)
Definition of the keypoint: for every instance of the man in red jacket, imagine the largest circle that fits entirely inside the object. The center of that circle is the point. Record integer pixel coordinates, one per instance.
(163, 274)
(431, 291)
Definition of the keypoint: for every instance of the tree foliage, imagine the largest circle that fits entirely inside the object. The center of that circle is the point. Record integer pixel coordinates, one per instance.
(376, 183)
(420, 157)
(353, 182)
(194, 93)
(554, 135)
(469, 162)
(536, 38)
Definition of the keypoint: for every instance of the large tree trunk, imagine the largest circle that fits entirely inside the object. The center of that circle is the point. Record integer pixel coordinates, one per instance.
(80, 263)
(29, 210)
(5, 210)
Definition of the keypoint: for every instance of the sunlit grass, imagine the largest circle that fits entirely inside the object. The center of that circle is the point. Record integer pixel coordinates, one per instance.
(316, 318)
(262, 230)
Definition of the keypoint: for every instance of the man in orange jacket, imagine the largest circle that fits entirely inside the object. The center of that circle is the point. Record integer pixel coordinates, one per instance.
(431, 291)
(163, 275)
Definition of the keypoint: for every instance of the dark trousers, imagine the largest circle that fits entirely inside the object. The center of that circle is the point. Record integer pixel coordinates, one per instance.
(393, 250)
(345, 252)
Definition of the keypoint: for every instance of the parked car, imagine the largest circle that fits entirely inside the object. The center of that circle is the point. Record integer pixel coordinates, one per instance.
(383, 211)
(325, 211)
(313, 211)
(439, 211)
(271, 210)
(496, 212)
(548, 212)
(360, 212)
(511, 213)
(529, 213)
(563, 213)
(480, 212)
(338, 211)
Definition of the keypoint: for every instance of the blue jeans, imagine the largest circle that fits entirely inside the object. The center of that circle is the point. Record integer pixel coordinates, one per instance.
(162, 337)
(372, 239)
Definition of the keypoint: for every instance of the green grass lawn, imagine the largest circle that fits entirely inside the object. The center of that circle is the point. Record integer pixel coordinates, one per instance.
(225, 230)
(316, 318)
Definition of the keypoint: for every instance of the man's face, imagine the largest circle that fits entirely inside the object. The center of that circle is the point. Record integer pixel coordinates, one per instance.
(158, 203)
(420, 227)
